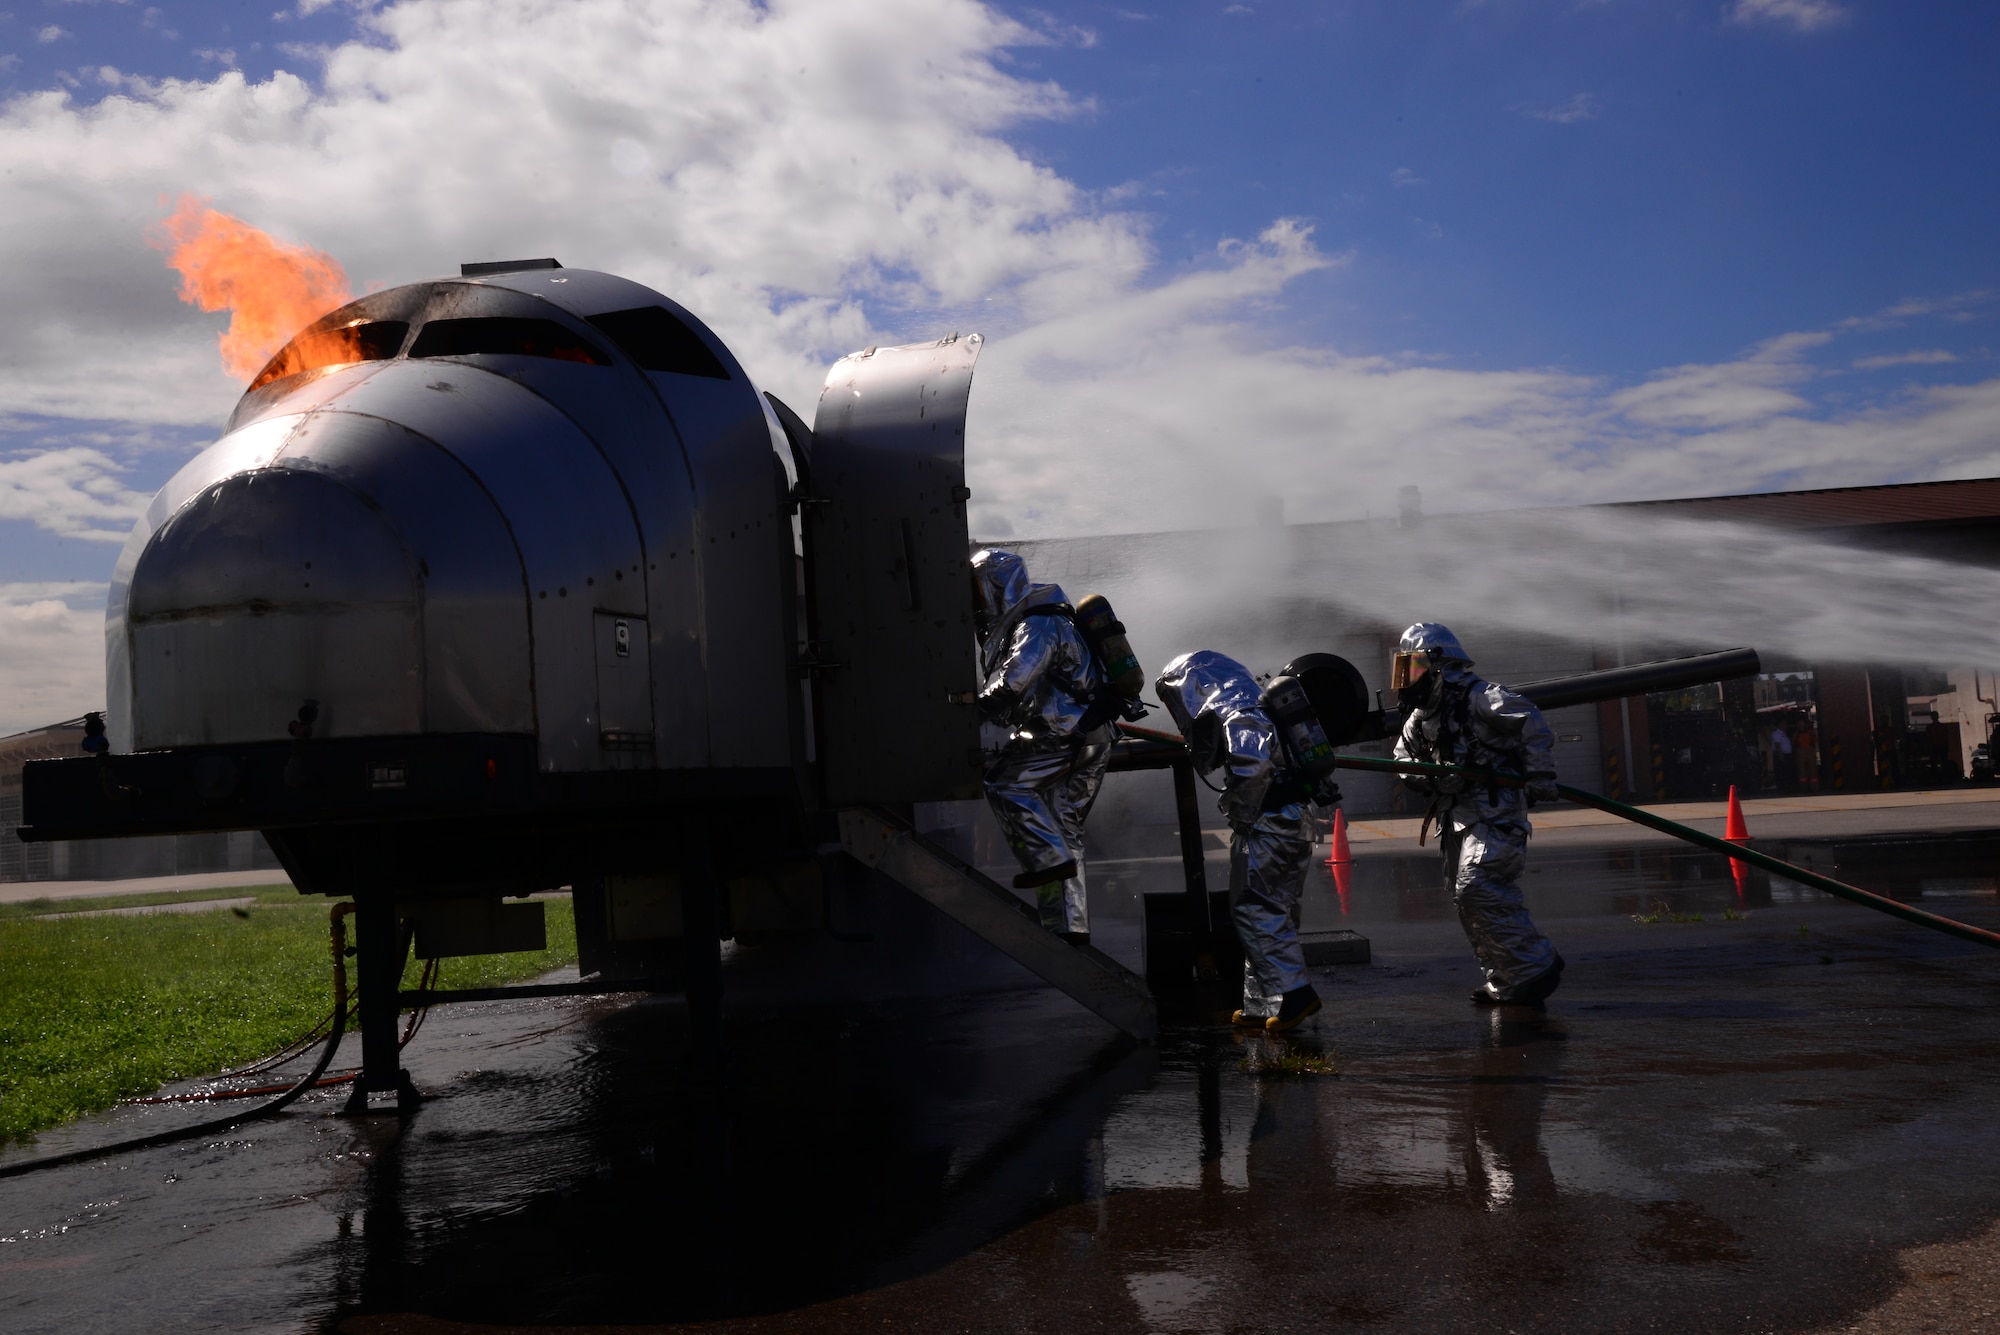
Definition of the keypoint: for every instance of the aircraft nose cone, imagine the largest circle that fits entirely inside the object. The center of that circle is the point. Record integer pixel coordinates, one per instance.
(270, 587)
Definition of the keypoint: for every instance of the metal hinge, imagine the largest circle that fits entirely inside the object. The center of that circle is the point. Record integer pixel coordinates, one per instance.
(799, 500)
(810, 662)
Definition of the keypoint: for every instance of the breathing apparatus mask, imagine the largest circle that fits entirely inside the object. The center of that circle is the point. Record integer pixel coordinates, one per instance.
(982, 616)
(1417, 673)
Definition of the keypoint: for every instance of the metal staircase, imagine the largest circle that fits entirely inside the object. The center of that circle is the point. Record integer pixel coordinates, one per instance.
(890, 845)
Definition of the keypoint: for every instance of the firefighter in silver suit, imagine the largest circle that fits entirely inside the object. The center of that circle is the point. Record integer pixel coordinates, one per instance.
(1458, 718)
(1046, 732)
(1215, 701)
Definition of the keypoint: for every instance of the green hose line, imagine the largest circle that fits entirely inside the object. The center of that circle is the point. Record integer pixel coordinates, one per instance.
(1750, 856)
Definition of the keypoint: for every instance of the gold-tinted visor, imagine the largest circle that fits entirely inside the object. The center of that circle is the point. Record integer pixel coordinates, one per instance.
(1408, 669)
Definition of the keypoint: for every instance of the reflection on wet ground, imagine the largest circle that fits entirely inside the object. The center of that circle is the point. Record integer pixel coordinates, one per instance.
(1732, 1123)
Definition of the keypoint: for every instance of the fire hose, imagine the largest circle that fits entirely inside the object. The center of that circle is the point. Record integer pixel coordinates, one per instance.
(1157, 743)
(339, 947)
(425, 984)
(1749, 856)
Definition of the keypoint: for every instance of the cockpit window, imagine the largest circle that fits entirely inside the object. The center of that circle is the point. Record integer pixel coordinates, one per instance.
(516, 336)
(658, 340)
(362, 341)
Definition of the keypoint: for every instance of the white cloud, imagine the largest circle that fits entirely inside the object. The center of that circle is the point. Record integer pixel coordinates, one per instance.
(630, 158)
(1173, 411)
(51, 652)
(71, 491)
(813, 177)
(812, 157)
(1729, 394)
(1801, 15)
(1918, 357)
(1058, 32)
(1403, 176)
(1959, 308)
(1582, 107)
(50, 33)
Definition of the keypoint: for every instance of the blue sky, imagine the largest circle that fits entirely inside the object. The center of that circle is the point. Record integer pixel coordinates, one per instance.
(1613, 187)
(1610, 186)
(1517, 252)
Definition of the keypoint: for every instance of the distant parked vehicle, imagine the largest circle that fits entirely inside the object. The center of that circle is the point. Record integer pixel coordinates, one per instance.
(1982, 754)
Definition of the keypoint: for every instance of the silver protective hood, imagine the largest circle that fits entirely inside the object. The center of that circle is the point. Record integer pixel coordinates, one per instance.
(1001, 579)
(1431, 637)
(1214, 700)
(1005, 594)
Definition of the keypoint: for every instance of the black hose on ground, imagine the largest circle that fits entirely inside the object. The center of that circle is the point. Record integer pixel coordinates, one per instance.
(1640, 816)
(284, 1100)
(425, 984)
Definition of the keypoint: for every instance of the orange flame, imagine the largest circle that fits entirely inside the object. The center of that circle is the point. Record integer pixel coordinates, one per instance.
(271, 290)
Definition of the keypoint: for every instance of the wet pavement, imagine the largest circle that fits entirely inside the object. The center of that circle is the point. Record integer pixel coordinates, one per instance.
(1733, 1124)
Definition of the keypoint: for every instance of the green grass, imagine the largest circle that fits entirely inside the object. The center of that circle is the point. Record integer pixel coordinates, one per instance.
(93, 1010)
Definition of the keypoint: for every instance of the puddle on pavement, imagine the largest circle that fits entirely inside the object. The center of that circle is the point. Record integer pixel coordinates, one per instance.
(1576, 883)
(1736, 1135)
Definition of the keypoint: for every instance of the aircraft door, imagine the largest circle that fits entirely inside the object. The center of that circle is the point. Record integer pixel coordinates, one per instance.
(890, 584)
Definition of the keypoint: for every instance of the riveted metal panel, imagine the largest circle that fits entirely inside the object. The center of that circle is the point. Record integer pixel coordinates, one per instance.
(253, 447)
(476, 642)
(619, 410)
(742, 529)
(565, 510)
(298, 395)
(269, 588)
(890, 584)
(589, 471)
(743, 534)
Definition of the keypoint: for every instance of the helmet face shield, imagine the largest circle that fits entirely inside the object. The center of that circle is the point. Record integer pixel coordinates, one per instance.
(1409, 667)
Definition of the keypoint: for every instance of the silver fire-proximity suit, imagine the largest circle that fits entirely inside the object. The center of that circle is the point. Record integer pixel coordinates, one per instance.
(1461, 719)
(1045, 758)
(1214, 700)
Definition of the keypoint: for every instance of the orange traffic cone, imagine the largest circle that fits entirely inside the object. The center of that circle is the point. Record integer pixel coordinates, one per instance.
(1343, 884)
(1341, 854)
(1735, 831)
